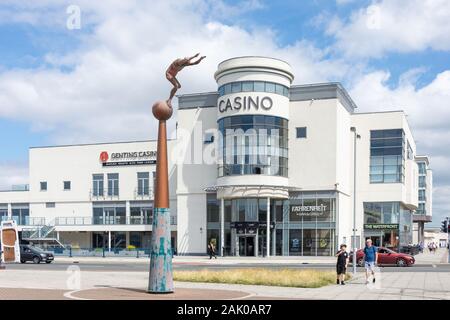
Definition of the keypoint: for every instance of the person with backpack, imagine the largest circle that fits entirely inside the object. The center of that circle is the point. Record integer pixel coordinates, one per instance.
(370, 259)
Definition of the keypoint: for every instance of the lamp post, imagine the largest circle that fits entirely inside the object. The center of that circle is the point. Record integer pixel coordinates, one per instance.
(161, 278)
(355, 137)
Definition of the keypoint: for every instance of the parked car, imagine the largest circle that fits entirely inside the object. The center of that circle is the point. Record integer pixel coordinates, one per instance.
(35, 254)
(386, 257)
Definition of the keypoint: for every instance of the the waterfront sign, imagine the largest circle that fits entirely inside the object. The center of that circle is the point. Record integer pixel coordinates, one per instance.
(381, 226)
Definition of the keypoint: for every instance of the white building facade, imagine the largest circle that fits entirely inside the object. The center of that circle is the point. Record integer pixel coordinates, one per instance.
(261, 167)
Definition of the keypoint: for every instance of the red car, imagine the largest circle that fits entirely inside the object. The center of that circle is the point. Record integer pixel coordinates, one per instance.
(387, 257)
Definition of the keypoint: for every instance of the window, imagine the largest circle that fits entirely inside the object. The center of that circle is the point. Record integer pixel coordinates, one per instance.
(113, 184)
(143, 183)
(422, 182)
(208, 138)
(66, 185)
(410, 152)
(422, 196)
(253, 144)
(421, 209)
(301, 132)
(50, 204)
(253, 86)
(422, 168)
(387, 160)
(20, 213)
(98, 185)
(212, 208)
(43, 185)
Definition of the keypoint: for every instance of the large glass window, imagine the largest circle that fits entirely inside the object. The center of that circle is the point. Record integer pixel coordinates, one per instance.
(97, 185)
(21, 213)
(422, 182)
(381, 212)
(143, 183)
(212, 208)
(422, 196)
(253, 144)
(253, 86)
(387, 156)
(113, 184)
(141, 212)
(105, 213)
(3, 212)
(422, 168)
(421, 209)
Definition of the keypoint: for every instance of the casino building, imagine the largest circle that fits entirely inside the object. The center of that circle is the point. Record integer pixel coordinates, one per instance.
(261, 167)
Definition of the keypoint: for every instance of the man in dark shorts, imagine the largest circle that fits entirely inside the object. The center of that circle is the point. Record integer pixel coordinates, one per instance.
(341, 264)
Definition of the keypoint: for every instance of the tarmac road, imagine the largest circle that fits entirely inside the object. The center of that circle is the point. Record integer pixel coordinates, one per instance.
(129, 266)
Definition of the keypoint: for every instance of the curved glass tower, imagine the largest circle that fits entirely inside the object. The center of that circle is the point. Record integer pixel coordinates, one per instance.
(253, 173)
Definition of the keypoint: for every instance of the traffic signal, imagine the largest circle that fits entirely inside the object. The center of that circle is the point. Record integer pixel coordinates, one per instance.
(445, 226)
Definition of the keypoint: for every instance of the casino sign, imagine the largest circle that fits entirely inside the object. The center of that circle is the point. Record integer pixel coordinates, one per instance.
(127, 158)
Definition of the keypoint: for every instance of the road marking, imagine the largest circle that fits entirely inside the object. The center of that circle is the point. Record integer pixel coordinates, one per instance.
(70, 296)
(244, 297)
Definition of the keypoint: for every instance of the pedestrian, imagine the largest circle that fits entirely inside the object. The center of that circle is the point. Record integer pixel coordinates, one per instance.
(341, 264)
(212, 250)
(370, 259)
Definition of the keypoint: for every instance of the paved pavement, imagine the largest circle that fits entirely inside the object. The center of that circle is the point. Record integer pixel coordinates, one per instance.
(127, 278)
(75, 284)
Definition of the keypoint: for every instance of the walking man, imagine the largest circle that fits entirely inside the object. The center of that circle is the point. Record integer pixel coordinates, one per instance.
(212, 250)
(370, 259)
(341, 264)
(175, 67)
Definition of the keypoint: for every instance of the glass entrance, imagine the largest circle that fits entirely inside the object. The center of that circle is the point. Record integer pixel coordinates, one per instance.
(247, 246)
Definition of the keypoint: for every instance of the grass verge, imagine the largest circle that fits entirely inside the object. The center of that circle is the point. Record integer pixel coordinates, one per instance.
(304, 278)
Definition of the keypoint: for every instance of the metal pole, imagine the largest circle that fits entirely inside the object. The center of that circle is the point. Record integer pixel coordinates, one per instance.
(222, 227)
(354, 203)
(268, 227)
(448, 240)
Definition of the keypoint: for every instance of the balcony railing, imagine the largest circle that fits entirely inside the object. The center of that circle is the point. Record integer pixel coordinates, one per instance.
(104, 194)
(27, 221)
(131, 220)
(143, 193)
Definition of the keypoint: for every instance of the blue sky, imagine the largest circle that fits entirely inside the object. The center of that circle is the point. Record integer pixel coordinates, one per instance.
(56, 83)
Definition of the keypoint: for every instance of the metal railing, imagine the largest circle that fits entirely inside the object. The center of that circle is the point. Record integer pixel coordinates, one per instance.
(27, 220)
(70, 251)
(104, 194)
(131, 220)
(143, 193)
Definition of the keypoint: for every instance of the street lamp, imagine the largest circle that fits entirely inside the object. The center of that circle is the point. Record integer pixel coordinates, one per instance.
(355, 137)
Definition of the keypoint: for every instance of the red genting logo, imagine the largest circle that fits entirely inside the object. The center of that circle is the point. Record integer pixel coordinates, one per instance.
(104, 156)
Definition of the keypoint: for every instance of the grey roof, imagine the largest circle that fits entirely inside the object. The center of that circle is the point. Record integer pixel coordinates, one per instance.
(318, 91)
(332, 90)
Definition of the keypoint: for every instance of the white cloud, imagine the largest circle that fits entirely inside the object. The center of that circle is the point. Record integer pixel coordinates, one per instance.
(428, 115)
(12, 174)
(393, 26)
(118, 70)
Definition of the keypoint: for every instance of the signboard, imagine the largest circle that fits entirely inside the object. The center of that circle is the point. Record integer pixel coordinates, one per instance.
(308, 211)
(10, 241)
(127, 158)
(381, 226)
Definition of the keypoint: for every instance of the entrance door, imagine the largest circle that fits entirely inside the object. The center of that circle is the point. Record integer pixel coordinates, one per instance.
(247, 246)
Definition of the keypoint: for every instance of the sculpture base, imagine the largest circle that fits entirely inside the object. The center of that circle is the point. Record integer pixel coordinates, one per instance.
(161, 278)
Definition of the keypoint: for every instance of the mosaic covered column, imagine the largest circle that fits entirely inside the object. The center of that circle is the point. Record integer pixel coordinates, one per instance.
(161, 279)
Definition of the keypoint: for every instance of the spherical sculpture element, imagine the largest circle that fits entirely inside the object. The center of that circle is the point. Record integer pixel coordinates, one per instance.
(161, 110)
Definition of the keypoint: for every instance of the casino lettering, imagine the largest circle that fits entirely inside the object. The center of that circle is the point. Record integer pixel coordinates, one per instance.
(133, 155)
(245, 103)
